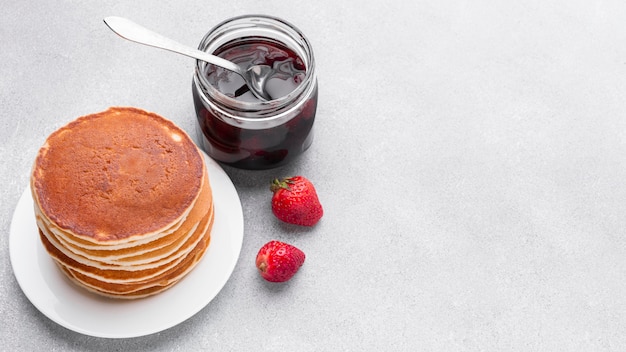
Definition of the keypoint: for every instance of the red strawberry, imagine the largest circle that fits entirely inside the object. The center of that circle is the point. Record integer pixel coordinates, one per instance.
(295, 201)
(278, 261)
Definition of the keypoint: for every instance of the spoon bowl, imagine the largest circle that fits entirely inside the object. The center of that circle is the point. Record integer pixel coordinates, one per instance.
(255, 76)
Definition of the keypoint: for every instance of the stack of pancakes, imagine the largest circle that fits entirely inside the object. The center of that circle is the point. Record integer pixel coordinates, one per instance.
(123, 202)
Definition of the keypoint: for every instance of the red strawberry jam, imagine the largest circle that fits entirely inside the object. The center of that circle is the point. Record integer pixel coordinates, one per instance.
(288, 70)
(240, 146)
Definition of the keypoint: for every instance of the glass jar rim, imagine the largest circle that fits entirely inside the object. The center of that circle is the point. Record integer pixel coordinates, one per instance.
(269, 25)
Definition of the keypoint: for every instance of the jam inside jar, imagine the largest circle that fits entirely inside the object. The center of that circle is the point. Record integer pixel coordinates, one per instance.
(237, 128)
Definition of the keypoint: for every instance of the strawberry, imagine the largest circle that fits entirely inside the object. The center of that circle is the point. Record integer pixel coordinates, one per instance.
(278, 261)
(295, 201)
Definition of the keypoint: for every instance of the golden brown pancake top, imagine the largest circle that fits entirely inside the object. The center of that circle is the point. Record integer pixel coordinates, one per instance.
(116, 174)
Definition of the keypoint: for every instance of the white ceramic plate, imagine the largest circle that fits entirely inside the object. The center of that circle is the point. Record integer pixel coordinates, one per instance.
(87, 313)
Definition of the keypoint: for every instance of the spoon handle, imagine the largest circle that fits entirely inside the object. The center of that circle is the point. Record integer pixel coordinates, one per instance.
(130, 30)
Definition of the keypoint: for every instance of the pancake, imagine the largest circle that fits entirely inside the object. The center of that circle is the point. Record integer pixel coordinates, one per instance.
(123, 202)
(117, 175)
(142, 252)
(94, 265)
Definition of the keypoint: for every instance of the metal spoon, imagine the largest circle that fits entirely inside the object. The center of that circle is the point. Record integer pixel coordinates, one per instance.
(254, 76)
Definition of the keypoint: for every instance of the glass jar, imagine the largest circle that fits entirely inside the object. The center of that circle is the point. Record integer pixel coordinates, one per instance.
(238, 129)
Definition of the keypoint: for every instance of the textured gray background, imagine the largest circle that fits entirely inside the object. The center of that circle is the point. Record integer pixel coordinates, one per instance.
(470, 156)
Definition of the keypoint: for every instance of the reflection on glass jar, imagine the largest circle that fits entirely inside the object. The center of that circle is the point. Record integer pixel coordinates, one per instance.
(237, 128)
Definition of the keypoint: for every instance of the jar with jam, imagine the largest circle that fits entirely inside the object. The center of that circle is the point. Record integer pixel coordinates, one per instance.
(239, 129)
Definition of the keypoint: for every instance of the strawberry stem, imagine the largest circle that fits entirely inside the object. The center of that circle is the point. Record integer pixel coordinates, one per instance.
(278, 184)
